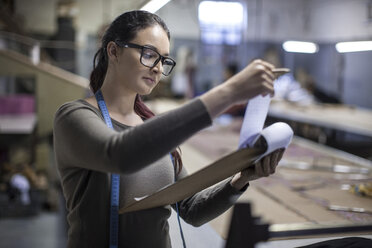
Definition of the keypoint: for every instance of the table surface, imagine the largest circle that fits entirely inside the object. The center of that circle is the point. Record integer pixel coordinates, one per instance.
(292, 195)
(335, 116)
(295, 193)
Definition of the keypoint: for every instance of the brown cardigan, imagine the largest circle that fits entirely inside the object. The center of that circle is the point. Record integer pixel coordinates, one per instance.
(87, 151)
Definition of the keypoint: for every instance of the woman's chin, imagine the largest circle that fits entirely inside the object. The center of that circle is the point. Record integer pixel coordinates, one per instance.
(145, 92)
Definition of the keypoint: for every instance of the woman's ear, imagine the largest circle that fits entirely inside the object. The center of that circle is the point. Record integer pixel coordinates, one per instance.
(112, 50)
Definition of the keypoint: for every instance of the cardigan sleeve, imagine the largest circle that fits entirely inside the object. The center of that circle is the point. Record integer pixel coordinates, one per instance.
(209, 203)
(82, 139)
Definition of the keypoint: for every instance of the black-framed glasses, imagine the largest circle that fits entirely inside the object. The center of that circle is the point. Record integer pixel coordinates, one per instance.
(150, 58)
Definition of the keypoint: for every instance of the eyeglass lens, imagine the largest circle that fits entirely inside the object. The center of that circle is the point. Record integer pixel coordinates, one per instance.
(150, 58)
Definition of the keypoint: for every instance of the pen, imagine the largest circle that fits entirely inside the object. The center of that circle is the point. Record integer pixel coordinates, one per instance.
(280, 71)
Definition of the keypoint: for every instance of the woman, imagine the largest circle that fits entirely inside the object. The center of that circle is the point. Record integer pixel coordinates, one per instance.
(133, 56)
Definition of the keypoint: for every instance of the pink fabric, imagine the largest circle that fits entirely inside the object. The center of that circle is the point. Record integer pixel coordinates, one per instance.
(17, 104)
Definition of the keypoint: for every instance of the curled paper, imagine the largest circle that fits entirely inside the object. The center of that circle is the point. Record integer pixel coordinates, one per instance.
(252, 134)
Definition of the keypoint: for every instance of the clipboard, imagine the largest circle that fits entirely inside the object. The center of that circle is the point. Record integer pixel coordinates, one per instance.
(219, 170)
(276, 136)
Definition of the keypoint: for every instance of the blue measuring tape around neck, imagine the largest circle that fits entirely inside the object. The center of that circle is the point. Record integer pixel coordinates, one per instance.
(115, 181)
(115, 185)
(177, 208)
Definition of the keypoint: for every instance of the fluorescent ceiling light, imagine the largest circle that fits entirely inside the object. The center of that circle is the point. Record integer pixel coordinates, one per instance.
(154, 5)
(221, 13)
(354, 46)
(300, 47)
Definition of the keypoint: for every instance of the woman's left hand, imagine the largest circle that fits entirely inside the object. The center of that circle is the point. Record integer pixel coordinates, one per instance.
(263, 168)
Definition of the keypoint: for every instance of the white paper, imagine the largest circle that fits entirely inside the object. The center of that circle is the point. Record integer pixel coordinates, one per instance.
(277, 135)
(254, 119)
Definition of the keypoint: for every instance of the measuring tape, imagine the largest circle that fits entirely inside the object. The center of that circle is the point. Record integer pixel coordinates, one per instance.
(115, 184)
(115, 181)
(177, 209)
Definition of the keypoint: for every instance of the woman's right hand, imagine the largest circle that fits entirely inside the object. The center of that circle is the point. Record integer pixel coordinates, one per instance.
(255, 79)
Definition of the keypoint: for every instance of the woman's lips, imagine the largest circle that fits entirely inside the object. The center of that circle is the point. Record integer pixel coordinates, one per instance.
(149, 80)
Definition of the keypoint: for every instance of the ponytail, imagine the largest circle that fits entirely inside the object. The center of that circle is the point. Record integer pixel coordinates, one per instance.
(99, 70)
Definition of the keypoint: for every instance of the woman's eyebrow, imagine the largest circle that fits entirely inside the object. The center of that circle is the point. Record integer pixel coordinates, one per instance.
(154, 48)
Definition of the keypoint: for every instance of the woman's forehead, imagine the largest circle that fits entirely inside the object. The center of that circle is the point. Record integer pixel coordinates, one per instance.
(154, 36)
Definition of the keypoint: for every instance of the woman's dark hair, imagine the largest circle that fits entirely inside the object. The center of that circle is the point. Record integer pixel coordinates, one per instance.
(125, 28)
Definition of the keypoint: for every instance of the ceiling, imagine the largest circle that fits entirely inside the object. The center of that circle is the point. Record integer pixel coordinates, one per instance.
(274, 20)
(135, 4)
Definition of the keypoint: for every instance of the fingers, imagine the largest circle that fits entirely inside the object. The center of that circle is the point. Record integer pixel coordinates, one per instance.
(258, 168)
(269, 86)
(268, 65)
(255, 79)
(265, 67)
(276, 156)
(267, 77)
(270, 165)
(275, 160)
(264, 63)
(281, 152)
(265, 167)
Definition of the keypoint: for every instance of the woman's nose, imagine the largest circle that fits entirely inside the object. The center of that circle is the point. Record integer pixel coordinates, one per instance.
(158, 67)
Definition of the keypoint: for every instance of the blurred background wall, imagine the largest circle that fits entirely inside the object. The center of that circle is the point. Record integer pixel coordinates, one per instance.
(268, 24)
